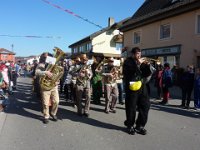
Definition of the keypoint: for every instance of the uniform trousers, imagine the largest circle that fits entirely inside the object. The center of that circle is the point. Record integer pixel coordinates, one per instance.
(137, 100)
(111, 91)
(80, 91)
(46, 96)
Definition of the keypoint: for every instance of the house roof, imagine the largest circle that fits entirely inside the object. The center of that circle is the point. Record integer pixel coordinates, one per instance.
(152, 11)
(5, 51)
(95, 34)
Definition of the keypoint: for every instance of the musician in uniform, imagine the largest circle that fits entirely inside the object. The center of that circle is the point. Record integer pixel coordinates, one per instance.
(97, 80)
(73, 71)
(138, 99)
(47, 96)
(83, 86)
(63, 78)
(110, 74)
(120, 82)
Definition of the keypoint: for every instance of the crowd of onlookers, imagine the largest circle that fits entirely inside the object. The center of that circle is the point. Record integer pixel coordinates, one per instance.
(9, 72)
(188, 79)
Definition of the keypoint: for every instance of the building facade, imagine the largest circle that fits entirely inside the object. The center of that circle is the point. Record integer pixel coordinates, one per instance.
(6, 55)
(27, 60)
(168, 31)
(107, 41)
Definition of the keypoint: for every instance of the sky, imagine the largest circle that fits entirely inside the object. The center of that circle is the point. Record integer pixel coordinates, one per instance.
(22, 18)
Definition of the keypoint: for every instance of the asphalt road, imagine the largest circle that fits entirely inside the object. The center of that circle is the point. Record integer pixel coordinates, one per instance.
(21, 128)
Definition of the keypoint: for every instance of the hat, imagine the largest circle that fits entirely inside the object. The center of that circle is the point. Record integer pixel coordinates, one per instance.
(111, 59)
(84, 57)
(77, 59)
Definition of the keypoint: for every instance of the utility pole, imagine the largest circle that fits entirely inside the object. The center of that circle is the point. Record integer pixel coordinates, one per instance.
(12, 46)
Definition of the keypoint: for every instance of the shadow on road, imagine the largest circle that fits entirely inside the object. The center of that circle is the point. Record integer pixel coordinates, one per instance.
(24, 103)
(175, 109)
(70, 115)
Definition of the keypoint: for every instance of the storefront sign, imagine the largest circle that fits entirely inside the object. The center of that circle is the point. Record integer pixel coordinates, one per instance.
(161, 51)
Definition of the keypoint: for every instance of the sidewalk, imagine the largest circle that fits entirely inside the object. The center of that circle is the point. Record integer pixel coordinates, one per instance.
(2, 120)
(175, 92)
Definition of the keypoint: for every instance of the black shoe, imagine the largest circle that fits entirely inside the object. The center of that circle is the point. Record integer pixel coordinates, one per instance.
(107, 111)
(141, 130)
(54, 117)
(99, 103)
(121, 103)
(80, 114)
(163, 102)
(46, 121)
(182, 106)
(126, 123)
(86, 114)
(113, 111)
(186, 107)
(131, 131)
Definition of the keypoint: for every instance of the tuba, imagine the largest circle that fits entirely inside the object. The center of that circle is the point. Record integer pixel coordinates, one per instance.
(47, 83)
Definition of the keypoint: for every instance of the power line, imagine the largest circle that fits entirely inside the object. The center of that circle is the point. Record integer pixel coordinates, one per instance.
(72, 13)
(31, 36)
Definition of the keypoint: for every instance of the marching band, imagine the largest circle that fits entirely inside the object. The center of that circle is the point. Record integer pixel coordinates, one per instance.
(83, 79)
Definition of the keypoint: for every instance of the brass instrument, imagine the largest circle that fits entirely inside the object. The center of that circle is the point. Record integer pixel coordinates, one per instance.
(98, 71)
(149, 60)
(83, 70)
(114, 71)
(98, 68)
(47, 83)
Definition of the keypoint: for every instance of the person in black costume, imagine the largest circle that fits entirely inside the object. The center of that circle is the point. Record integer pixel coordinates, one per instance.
(135, 68)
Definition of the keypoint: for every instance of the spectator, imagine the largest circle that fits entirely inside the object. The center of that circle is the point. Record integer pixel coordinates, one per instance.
(166, 83)
(158, 81)
(197, 90)
(187, 86)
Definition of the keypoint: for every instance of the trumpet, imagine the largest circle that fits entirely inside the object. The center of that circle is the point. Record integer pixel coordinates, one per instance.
(149, 60)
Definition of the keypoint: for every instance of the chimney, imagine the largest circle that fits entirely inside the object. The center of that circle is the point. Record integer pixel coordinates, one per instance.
(111, 21)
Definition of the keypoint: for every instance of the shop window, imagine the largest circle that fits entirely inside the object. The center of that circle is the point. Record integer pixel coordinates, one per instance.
(165, 31)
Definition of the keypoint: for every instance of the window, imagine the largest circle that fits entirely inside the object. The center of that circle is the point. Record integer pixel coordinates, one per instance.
(198, 24)
(5, 56)
(137, 37)
(165, 31)
(118, 46)
(81, 49)
(89, 46)
(75, 50)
